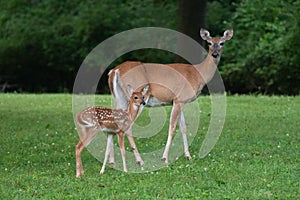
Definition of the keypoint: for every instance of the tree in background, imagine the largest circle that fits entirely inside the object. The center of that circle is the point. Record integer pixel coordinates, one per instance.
(43, 43)
(264, 55)
(191, 19)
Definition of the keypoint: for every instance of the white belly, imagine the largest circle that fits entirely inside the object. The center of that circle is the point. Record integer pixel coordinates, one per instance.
(152, 102)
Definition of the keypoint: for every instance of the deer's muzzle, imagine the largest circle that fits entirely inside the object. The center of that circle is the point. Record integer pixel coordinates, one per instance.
(215, 54)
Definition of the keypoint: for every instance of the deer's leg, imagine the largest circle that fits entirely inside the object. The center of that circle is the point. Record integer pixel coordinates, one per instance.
(134, 148)
(182, 126)
(122, 148)
(176, 110)
(111, 154)
(86, 136)
(107, 151)
(137, 155)
(79, 167)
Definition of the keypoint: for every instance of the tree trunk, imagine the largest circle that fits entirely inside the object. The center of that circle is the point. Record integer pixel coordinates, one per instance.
(191, 19)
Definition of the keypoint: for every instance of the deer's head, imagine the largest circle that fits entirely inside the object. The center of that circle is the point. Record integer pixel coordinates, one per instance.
(137, 98)
(216, 43)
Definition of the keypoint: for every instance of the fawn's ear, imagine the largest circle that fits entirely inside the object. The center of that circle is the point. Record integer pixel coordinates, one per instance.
(204, 34)
(145, 90)
(228, 34)
(130, 89)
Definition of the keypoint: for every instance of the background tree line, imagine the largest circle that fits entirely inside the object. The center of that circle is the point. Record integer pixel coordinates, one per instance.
(43, 42)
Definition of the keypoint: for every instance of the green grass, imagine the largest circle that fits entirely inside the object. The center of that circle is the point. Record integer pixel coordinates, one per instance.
(256, 157)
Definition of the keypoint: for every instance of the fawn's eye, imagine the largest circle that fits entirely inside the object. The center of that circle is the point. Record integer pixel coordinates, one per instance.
(135, 97)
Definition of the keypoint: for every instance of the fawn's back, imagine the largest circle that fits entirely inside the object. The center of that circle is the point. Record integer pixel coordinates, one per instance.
(106, 119)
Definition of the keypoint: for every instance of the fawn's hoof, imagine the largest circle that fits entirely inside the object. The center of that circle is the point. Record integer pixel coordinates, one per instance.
(165, 160)
(187, 155)
(140, 162)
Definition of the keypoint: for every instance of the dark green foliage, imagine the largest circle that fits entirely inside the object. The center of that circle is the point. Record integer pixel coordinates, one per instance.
(264, 54)
(43, 43)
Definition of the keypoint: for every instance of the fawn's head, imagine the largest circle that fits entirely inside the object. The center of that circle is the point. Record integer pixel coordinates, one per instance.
(137, 98)
(216, 43)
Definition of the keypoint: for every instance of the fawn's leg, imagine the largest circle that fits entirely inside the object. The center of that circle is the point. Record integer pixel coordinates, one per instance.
(137, 155)
(107, 151)
(111, 154)
(86, 136)
(79, 167)
(122, 148)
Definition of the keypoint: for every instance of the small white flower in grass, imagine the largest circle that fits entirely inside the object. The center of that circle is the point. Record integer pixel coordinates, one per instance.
(53, 143)
(69, 164)
(5, 169)
(278, 146)
(205, 169)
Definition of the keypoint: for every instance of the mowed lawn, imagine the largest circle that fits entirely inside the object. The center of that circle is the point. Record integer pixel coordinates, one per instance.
(257, 155)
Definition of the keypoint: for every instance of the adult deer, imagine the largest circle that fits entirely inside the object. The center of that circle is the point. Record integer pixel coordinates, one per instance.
(93, 119)
(175, 84)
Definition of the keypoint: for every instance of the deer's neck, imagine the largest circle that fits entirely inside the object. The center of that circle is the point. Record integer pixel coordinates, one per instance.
(132, 111)
(207, 67)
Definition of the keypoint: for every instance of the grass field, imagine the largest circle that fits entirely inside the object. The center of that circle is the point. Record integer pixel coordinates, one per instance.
(256, 157)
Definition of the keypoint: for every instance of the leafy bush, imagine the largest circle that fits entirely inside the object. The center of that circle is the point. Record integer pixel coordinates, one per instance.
(42, 43)
(264, 54)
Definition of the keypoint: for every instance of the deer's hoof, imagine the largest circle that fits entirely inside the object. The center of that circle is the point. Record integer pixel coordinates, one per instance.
(101, 171)
(140, 162)
(187, 155)
(164, 160)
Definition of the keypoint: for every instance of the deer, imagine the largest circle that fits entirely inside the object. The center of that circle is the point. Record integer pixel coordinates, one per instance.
(93, 119)
(173, 84)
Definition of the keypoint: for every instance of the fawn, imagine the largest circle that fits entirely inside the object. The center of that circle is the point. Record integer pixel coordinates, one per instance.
(113, 121)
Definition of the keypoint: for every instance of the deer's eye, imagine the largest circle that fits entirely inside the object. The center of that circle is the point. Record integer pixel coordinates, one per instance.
(135, 97)
(209, 43)
(221, 43)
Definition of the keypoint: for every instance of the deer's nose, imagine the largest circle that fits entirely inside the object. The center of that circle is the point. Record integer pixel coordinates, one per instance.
(215, 54)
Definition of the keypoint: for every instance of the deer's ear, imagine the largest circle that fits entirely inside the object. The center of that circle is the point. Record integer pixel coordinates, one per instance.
(228, 34)
(130, 89)
(145, 89)
(204, 34)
